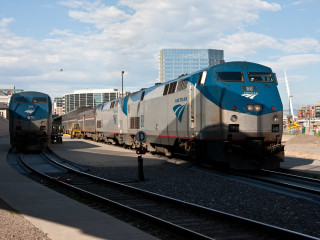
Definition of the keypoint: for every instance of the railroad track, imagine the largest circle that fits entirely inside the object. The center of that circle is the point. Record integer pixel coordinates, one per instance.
(187, 221)
(291, 181)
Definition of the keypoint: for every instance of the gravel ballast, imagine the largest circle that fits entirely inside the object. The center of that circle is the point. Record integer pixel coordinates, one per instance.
(14, 226)
(184, 183)
(179, 179)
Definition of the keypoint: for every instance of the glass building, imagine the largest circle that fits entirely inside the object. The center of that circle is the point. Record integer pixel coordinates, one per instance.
(91, 98)
(175, 62)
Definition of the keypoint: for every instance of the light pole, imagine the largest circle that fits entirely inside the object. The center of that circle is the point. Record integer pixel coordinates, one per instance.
(122, 83)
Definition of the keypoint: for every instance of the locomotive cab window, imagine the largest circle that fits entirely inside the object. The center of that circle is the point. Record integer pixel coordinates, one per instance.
(39, 100)
(260, 77)
(21, 100)
(230, 76)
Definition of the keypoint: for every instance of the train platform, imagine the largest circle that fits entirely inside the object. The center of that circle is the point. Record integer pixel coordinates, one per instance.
(56, 215)
(302, 154)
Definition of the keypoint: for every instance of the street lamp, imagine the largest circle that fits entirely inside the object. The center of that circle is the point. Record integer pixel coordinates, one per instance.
(122, 82)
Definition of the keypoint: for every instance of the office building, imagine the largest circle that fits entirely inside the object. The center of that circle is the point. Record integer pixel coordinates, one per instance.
(175, 62)
(91, 98)
(305, 113)
(57, 106)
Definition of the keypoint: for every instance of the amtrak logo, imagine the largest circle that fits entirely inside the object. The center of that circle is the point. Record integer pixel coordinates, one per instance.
(29, 111)
(249, 95)
(179, 109)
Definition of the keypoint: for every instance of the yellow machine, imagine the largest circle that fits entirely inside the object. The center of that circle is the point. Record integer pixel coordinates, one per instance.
(293, 124)
(75, 130)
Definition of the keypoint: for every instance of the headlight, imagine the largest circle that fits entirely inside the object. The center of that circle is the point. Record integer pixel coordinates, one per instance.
(257, 108)
(233, 118)
(250, 108)
(275, 118)
(254, 107)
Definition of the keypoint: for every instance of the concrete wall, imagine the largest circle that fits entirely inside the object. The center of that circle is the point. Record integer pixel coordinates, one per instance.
(4, 127)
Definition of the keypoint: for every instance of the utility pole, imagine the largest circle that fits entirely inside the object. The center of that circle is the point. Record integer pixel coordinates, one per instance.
(122, 83)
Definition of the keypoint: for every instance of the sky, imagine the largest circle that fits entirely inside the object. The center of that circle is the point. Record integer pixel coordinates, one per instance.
(58, 46)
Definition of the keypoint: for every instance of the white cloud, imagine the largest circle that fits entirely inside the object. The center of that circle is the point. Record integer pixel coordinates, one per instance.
(102, 17)
(168, 21)
(245, 43)
(5, 22)
(300, 2)
(294, 61)
(301, 45)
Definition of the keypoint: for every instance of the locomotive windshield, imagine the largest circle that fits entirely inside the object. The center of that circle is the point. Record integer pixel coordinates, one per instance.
(230, 76)
(39, 100)
(260, 77)
(21, 100)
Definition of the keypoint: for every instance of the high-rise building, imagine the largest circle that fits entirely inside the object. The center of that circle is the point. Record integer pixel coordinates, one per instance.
(175, 62)
(91, 98)
(317, 111)
(305, 113)
(57, 106)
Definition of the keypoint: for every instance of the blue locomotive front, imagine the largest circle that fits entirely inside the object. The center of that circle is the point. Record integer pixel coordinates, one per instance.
(30, 120)
(250, 115)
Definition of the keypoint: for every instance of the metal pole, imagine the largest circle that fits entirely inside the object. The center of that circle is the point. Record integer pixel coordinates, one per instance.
(140, 168)
(122, 83)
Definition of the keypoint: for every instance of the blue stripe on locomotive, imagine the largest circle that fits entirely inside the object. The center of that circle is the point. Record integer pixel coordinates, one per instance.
(226, 95)
(23, 110)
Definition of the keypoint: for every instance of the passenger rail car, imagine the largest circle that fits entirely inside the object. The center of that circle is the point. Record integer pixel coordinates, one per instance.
(71, 117)
(30, 120)
(231, 113)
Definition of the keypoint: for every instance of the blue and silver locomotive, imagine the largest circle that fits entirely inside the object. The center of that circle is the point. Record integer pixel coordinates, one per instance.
(230, 113)
(30, 120)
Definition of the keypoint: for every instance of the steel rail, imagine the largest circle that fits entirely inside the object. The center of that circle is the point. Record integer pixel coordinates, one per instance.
(276, 231)
(283, 184)
(181, 231)
(292, 175)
